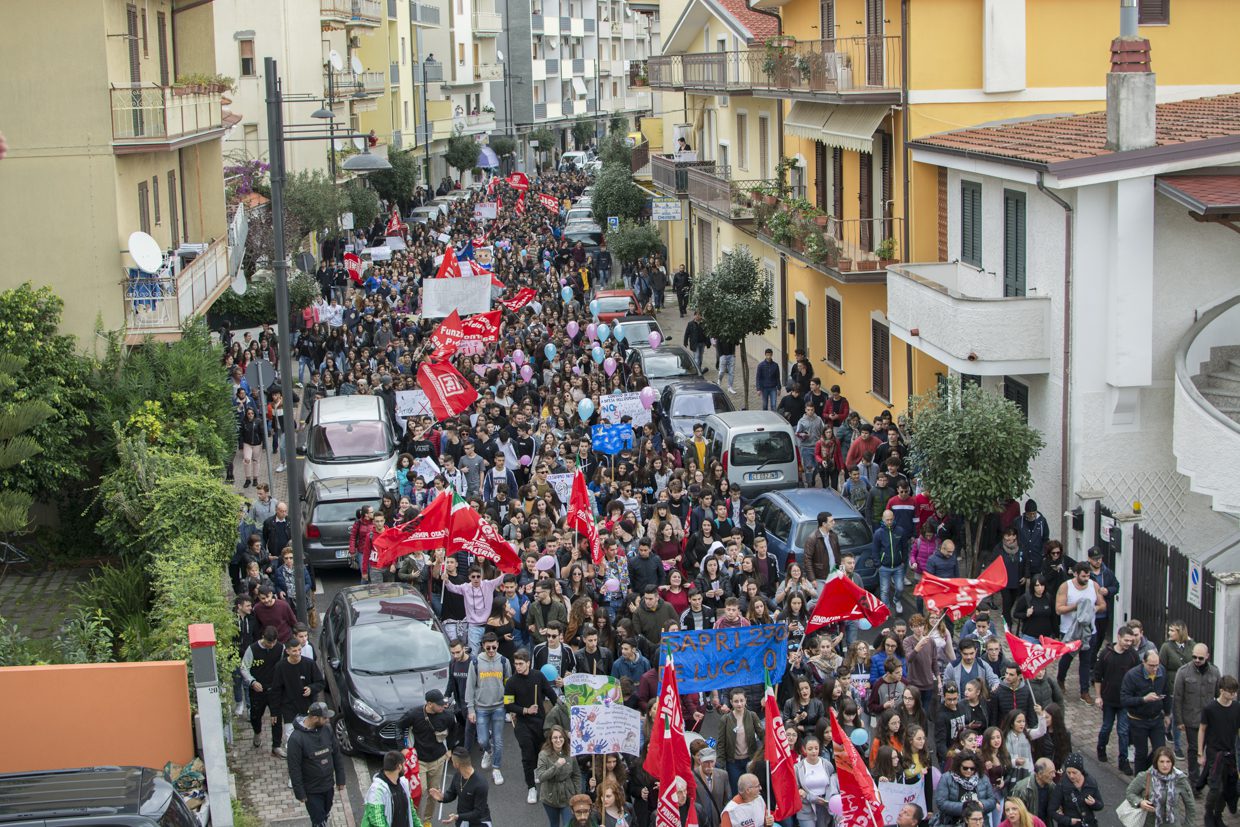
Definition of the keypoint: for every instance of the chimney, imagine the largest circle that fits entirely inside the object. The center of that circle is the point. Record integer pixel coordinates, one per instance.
(1130, 86)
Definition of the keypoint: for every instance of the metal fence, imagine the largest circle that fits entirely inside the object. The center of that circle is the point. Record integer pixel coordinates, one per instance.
(1160, 589)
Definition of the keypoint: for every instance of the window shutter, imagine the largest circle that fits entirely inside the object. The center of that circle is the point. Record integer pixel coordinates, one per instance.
(837, 182)
(971, 223)
(144, 207)
(826, 19)
(1018, 394)
(161, 32)
(880, 361)
(1153, 12)
(834, 332)
(174, 221)
(1013, 243)
(155, 195)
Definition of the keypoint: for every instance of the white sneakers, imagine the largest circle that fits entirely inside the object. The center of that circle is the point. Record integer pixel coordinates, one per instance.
(486, 760)
(497, 776)
(532, 796)
(280, 468)
(899, 608)
(239, 710)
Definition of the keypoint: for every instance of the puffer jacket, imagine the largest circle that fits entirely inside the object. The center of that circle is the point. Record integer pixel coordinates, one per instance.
(949, 795)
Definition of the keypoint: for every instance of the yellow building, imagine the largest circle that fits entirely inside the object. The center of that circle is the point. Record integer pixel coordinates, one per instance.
(111, 146)
(853, 81)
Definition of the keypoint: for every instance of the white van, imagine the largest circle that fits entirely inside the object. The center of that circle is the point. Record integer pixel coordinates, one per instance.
(757, 449)
(579, 159)
(350, 436)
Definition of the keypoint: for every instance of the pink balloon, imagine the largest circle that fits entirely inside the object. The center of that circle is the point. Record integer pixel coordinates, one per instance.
(563, 282)
(527, 372)
(591, 331)
(611, 586)
(609, 366)
(655, 339)
(525, 460)
(648, 396)
(572, 329)
(835, 805)
(518, 357)
(545, 563)
(576, 370)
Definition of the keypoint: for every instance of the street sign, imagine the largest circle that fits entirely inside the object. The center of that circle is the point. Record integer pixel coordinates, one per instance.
(260, 373)
(665, 209)
(613, 222)
(1194, 583)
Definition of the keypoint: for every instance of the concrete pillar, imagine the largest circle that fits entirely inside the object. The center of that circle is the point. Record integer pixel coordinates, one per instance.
(211, 722)
(1226, 653)
(1124, 524)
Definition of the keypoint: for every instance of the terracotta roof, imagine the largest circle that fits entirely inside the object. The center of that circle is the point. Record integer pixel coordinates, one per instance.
(761, 26)
(230, 118)
(1047, 142)
(1204, 194)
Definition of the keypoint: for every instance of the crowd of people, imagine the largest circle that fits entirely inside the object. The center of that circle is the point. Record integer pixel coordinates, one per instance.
(937, 706)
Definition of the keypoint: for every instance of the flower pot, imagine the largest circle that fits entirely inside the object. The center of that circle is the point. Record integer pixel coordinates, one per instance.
(845, 264)
(867, 264)
(821, 220)
(887, 262)
(770, 200)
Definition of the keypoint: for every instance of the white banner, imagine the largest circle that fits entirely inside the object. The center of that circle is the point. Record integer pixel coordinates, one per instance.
(466, 295)
(411, 403)
(486, 210)
(613, 406)
(895, 796)
(426, 469)
(562, 484)
(378, 253)
(394, 242)
(603, 729)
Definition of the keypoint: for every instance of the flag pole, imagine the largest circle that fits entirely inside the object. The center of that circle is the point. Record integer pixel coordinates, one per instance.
(443, 788)
(766, 754)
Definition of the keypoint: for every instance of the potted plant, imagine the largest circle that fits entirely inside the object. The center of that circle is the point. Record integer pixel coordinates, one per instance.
(886, 252)
(845, 264)
(488, 107)
(780, 226)
(775, 55)
(867, 264)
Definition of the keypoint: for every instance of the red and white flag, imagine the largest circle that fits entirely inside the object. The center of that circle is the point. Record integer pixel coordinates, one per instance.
(1032, 658)
(521, 204)
(524, 296)
(425, 532)
(475, 536)
(858, 797)
(958, 596)
(412, 775)
(353, 263)
(394, 224)
(483, 327)
(668, 755)
(447, 337)
(491, 185)
(518, 181)
(581, 517)
(843, 600)
(449, 267)
(447, 391)
(779, 758)
(550, 202)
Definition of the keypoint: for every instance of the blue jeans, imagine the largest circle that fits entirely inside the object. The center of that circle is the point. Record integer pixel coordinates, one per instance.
(889, 577)
(852, 629)
(304, 362)
(727, 365)
(770, 398)
(558, 816)
(1110, 714)
(735, 770)
(490, 728)
(476, 631)
(698, 353)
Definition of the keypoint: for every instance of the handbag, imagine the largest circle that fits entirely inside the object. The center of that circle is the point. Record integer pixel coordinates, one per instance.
(1129, 815)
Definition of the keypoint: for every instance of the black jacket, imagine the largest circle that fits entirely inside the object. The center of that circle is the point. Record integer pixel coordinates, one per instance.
(423, 728)
(314, 760)
(695, 335)
(598, 663)
(1003, 700)
(1109, 671)
(1067, 803)
(276, 535)
(473, 808)
(289, 684)
(530, 689)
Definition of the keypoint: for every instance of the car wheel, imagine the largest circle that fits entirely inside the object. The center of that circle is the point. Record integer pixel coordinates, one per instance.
(343, 738)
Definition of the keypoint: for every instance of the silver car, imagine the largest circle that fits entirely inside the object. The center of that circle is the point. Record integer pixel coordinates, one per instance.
(350, 436)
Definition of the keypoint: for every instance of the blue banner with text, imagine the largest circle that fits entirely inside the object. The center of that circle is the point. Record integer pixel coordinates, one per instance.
(725, 658)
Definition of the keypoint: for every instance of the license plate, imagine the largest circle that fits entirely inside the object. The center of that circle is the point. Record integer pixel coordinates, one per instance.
(759, 476)
(343, 553)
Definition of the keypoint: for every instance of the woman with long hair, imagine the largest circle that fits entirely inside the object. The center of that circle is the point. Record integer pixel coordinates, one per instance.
(911, 711)
(1017, 739)
(712, 584)
(816, 782)
(889, 731)
(558, 776)
(1056, 742)
(857, 661)
(1015, 814)
(794, 612)
(996, 763)
(795, 581)
(613, 811)
(803, 710)
(675, 592)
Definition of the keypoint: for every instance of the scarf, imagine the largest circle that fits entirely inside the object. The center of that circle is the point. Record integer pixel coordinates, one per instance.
(1162, 795)
(967, 785)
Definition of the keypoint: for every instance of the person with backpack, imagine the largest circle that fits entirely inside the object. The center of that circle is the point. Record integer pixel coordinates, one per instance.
(484, 697)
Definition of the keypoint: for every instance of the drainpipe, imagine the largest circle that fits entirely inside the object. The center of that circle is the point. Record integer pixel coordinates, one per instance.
(1065, 410)
(781, 320)
(908, 155)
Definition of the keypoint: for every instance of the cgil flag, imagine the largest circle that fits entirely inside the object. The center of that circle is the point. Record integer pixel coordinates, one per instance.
(425, 532)
(449, 267)
(412, 775)
(447, 391)
(474, 535)
(394, 224)
(353, 263)
(858, 797)
(550, 202)
(959, 596)
(524, 296)
(581, 516)
(842, 600)
(667, 758)
(783, 780)
(1032, 658)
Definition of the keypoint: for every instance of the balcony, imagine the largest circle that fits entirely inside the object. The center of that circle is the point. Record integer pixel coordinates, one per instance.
(959, 315)
(551, 26)
(484, 72)
(536, 23)
(391, 4)
(566, 26)
(844, 69)
(552, 66)
(616, 28)
(712, 190)
(421, 14)
(577, 27)
(721, 72)
(639, 77)
(589, 25)
(672, 176)
(1205, 436)
(540, 111)
(351, 12)
(430, 71)
(848, 250)
(568, 106)
(666, 72)
(639, 163)
(163, 118)
(159, 305)
(371, 83)
(487, 24)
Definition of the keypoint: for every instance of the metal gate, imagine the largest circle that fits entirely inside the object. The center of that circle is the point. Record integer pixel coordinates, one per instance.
(1160, 589)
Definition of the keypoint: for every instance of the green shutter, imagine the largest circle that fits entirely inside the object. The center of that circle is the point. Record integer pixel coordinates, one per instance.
(971, 223)
(1013, 243)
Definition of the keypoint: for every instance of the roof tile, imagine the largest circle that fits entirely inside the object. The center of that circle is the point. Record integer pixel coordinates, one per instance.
(761, 26)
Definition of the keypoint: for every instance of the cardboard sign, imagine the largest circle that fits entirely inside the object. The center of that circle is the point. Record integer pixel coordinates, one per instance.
(466, 295)
(614, 406)
(604, 729)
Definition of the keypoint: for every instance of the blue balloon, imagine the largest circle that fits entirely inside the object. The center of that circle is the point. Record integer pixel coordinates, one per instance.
(585, 410)
(859, 737)
(546, 264)
(549, 350)
(594, 308)
(566, 293)
(550, 672)
(864, 625)
(619, 333)
(603, 332)
(598, 355)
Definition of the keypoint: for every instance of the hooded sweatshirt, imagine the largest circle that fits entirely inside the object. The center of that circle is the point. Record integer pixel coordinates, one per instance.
(314, 759)
(484, 688)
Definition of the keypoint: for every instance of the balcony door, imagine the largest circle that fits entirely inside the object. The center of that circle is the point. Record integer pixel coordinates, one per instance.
(820, 176)
(865, 199)
(874, 58)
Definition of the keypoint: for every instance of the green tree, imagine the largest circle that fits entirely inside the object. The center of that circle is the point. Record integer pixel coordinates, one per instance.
(614, 150)
(312, 203)
(617, 124)
(462, 153)
(547, 143)
(396, 185)
(616, 194)
(735, 300)
(53, 373)
(973, 449)
(583, 131)
(17, 445)
(363, 202)
(503, 145)
(633, 240)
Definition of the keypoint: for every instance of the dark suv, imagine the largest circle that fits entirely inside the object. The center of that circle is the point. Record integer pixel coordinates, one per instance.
(328, 511)
(115, 796)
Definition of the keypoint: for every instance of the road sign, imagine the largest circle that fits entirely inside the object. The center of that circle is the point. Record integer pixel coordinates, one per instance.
(1194, 583)
(665, 209)
(260, 373)
(613, 222)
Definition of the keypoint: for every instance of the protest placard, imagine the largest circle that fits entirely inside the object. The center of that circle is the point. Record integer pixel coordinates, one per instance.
(411, 403)
(722, 658)
(583, 689)
(466, 295)
(614, 406)
(426, 469)
(562, 484)
(603, 729)
(895, 796)
(611, 439)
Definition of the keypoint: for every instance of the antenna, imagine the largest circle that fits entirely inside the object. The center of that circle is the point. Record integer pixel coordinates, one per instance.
(356, 63)
(337, 63)
(145, 252)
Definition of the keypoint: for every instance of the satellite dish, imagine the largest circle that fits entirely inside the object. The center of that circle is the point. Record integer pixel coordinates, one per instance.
(499, 55)
(337, 63)
(305, 263)
(340, 144)
(360, 143)
(356, 63)
(145, 252)
(553, 42)
(239, 284)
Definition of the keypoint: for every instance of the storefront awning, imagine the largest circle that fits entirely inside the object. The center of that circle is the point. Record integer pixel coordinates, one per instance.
(805, 119)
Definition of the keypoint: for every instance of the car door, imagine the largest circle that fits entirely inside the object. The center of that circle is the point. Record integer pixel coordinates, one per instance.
(332, 642)
(778, 524)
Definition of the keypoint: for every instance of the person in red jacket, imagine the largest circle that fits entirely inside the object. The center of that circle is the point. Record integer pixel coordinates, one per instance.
(862, 444)
(835, 411)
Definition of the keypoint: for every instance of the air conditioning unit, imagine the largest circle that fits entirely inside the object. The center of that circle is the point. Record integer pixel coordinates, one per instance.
(721, 101)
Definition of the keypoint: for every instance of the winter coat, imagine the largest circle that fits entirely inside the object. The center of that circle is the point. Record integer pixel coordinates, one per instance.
(557, 782)
(379, 803)
(1183, 805)
(1067, 803)
(314, 759)
(948, 795)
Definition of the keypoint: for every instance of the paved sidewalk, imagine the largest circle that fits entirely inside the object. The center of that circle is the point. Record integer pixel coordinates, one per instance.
(36, 602)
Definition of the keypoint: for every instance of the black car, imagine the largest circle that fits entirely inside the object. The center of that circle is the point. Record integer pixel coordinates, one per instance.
(383, 648)
(685, 404)
(132, 796)
(329, 508)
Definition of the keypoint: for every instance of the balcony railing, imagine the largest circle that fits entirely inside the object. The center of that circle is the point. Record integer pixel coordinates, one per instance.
(639, 77)
(843, 66)
(162, 114)
(391, 9)
(488, 71)
(640, 160)
(394, 74)
(671, 175)
(421, 13)
(540, 111)
(566, 25)
(714, 191)
(666, 72)
(536, 22)
(163, 303)
(371, 82)
(589, 25)
(579, 66)
(352, 12)
(553, 66)
(428, 72)
(837, 246)
(568, 106)
(487, 23)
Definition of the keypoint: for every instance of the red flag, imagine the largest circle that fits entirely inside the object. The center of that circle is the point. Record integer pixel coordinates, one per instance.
(474, 535)
(1032, 658)
(518, 181)
(521, 204)
(581, 516)
(550, 202)
(779, 759)
(524, 296)
(412, 774)
(449, 267)
(495, 282)
(842, 600)
(447, 337)
(491, 185)
(353, 263)
(959, 596)
(483, 327)
(862, 806)
(393, 225)
(668, 755)
(448, 392)
(427, 531)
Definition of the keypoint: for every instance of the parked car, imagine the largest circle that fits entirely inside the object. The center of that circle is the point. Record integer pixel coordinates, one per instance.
(668, 364)
(590, 235)
(350, 436)
(383, 649)
(757, 449)
(328, 510)
(132, 796)
(577, 160)
(579, 214)
(637, 329)
(685, 404)
(791, 517)
(612, 304)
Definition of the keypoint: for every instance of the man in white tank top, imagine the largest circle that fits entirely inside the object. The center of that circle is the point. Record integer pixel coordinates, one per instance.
(1079, 589)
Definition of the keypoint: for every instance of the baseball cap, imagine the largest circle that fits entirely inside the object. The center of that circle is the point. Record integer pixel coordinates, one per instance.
(707, 754)
(434, 696)
(320, 710)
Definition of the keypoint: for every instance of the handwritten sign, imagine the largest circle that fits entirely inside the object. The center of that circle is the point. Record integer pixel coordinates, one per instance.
(723, 658)
(583, 689)
(604, 729)
(614, 406)
(562, 484)
(895, 796)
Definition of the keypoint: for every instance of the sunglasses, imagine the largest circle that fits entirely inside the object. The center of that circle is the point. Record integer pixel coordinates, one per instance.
(968, 768)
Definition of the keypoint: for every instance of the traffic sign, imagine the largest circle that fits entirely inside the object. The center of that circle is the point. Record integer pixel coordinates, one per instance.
(613, 222)
(1194, 583)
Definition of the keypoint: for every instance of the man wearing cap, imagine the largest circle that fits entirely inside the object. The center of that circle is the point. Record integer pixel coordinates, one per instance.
(468, 786)
(712, 785)
(434, 731)
(1108, 587)
(314, 759)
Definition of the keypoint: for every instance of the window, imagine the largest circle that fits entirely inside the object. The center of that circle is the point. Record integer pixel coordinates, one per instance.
(1013, 243)
(835, 333)
(764, 146)
(826, 19)
(174, 219)
(460, 53)
(1018, 394)
(971, 223)
(144, 207)
(742, 140)
(155, 197)
(161, 32)
(1154, 12)
(880, 360)
(246, 51)
(402, 51)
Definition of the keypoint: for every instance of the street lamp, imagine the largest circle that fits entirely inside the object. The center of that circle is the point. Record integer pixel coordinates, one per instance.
(275, 140)
(426, 123)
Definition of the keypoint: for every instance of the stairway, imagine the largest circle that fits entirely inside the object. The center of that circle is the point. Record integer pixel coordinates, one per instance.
(1219, 380)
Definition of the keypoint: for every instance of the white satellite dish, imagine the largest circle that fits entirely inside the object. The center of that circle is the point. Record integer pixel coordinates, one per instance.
(499, 55)
(239, 284)
(356, 63)
(553, 42)
(337, 63)
(145, 252)
(360, 143)
(340, 144)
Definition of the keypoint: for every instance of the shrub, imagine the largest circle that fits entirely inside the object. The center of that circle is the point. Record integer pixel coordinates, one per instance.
(258, 305)
(211, 521)
(189, 587)
(15, 648)
(85, 637)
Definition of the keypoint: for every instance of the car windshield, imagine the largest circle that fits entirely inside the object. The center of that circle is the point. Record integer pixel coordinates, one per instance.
(397, 645)
(762, 447)
(852, 533)
(349, 442)
(662, 364)
(698, 404)
(639, 331)
(344, 511)
(613, 304)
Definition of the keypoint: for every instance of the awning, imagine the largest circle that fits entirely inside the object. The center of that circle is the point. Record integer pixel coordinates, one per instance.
(805, 119)
(851, 126)
(579, 87)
